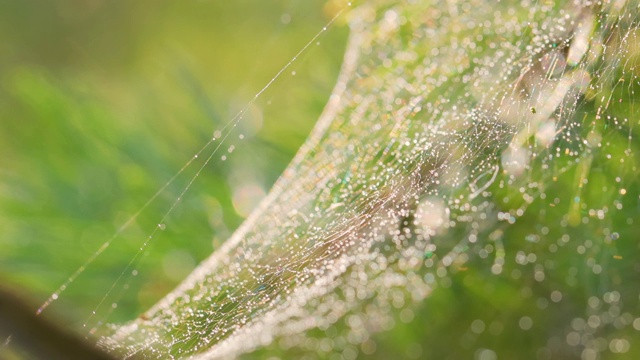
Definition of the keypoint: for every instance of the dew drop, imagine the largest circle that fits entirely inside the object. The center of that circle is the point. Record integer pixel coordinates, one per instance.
(525, 323)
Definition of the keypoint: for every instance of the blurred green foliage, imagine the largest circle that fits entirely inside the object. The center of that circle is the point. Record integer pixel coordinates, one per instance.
(102, 102)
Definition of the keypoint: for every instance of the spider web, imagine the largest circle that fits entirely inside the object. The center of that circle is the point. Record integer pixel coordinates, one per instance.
(464, 141)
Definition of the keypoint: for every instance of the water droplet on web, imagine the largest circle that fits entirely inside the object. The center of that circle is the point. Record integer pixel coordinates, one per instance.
(525, 323)
(431, 215)
(485, 354)
(162, 226)
(285, 18)
(515, 160)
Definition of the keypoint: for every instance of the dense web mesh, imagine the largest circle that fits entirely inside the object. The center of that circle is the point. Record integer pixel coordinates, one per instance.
(464, 141)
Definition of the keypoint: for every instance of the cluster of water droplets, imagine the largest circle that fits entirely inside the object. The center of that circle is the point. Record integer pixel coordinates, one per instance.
(465, 143)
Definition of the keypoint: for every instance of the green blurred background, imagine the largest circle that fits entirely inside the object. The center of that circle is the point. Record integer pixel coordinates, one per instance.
(102, 102)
